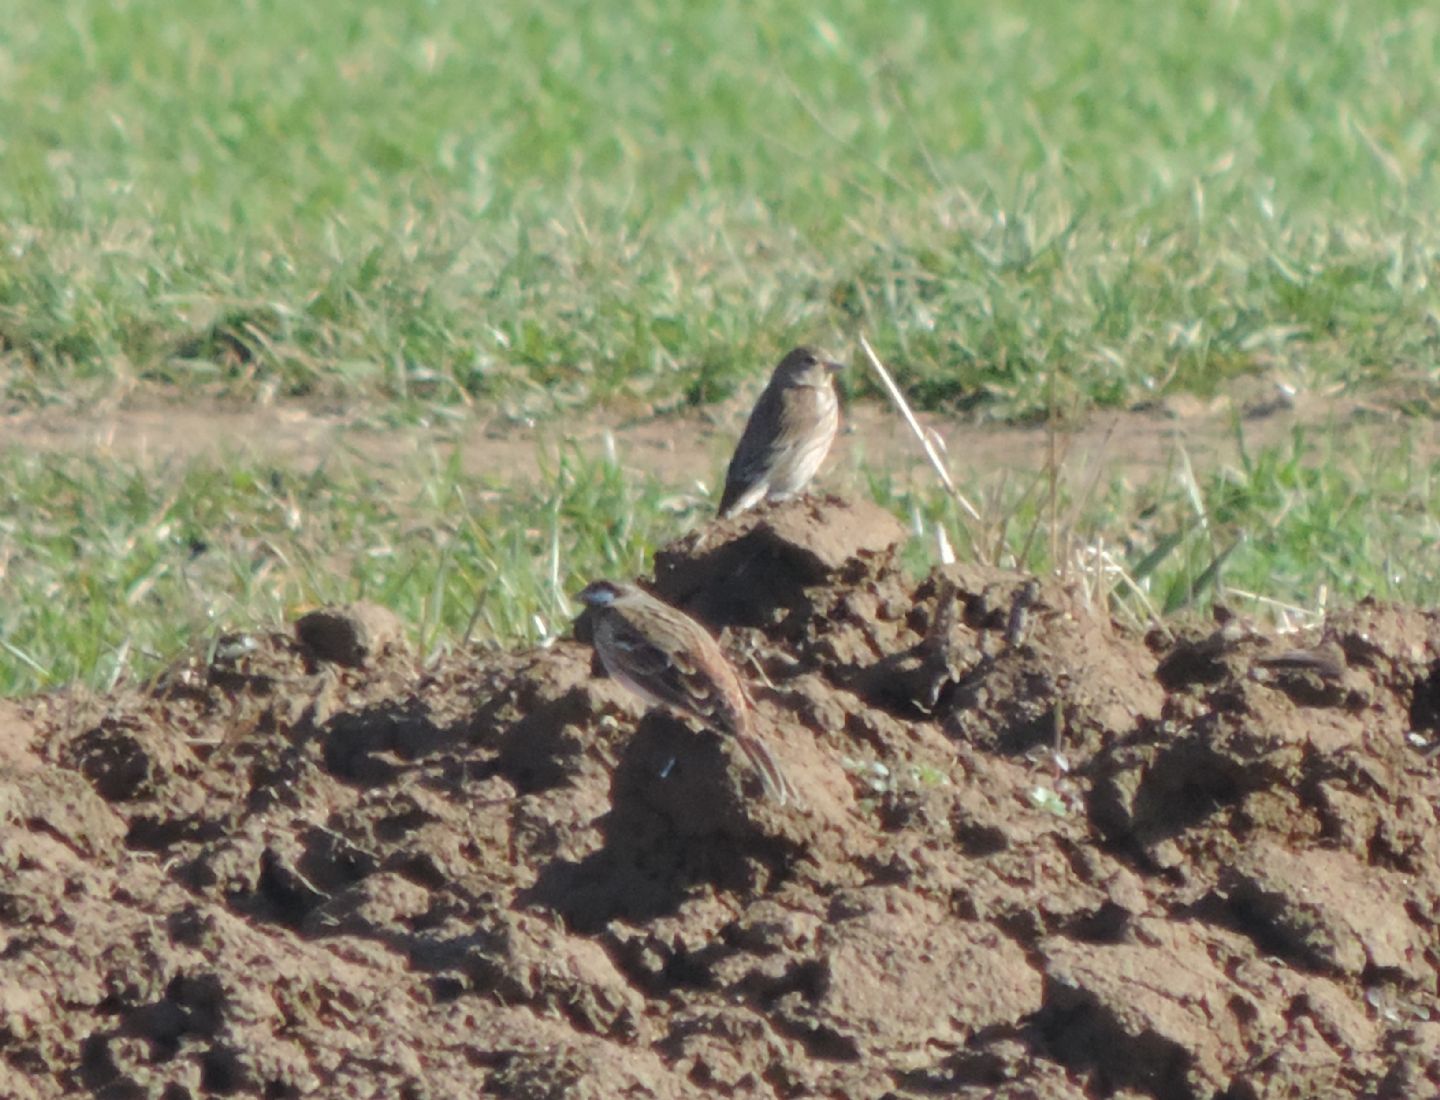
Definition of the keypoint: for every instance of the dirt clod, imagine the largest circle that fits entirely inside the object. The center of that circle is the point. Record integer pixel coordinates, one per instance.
(351, 635)
(1035, 855)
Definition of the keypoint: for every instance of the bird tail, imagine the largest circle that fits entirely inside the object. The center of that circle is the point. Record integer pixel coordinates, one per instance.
(776, 785)
(740, 496)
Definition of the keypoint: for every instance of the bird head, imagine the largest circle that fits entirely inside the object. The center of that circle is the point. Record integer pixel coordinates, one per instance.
(601, 593)
(806, 367)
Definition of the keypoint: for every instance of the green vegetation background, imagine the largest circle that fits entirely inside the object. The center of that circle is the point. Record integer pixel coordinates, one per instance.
(428, 208)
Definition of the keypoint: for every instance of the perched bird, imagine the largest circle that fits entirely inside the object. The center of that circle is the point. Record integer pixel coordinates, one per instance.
(787, 436)
(668, 659)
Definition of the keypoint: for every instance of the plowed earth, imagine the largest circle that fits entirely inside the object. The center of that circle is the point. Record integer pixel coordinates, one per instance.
(1037, 856)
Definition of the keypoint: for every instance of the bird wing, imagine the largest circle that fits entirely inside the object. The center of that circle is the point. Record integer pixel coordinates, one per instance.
(753, 456)
(675, 663)
(786, 422)
(667, 669)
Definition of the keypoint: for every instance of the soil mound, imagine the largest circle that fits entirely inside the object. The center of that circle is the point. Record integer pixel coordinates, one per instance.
(1037, 856)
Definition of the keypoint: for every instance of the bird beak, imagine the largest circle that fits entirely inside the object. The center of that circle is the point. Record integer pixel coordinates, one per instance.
(834, 368)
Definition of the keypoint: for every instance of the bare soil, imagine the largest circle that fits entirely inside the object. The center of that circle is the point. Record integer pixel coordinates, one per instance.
(1137, 443)
(1037, 856)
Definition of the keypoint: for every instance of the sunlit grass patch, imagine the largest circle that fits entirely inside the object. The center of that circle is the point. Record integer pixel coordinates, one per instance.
(411, 207)
(111, 568)
(1322, 519)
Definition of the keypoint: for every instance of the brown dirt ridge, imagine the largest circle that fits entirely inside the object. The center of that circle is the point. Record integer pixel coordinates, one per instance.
(1037, 856)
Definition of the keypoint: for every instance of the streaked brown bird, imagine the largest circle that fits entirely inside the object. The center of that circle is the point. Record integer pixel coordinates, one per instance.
(668, 659)
(787, 436)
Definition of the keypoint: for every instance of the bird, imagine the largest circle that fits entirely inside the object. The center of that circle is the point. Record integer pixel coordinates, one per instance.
(668, 659)
(787, 436)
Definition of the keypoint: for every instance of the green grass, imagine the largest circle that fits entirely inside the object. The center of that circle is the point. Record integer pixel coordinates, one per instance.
(427, 211)
(419, 205)
(1327, 518)
(113, 569)
(112, 566)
